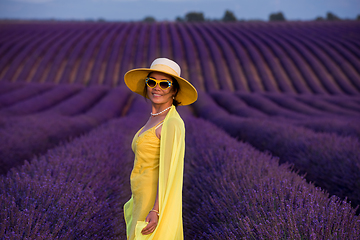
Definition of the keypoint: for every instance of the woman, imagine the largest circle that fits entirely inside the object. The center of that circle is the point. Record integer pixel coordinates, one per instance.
(155, 208)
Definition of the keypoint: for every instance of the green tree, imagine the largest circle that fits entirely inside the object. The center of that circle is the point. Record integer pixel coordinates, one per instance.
(277, 17)
(332, 17)
(229, 17)
(149, 19)
(180, 19)
(194, 17)
(319, 19)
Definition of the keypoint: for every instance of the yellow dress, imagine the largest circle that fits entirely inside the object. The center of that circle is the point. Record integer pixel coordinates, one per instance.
(158, 163)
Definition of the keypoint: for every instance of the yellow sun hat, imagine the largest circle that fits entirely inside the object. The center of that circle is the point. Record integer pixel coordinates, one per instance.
(135, 80)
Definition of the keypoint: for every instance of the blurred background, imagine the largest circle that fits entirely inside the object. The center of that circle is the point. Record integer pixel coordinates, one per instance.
(170, 10)
(272, 143)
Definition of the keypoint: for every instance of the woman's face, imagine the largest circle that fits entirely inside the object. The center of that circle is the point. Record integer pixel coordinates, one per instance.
(158, 95)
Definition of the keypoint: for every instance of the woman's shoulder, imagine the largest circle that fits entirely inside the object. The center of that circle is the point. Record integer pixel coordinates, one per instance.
(175, 120)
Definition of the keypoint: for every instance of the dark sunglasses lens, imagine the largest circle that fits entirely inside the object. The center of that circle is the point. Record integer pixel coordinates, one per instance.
(164, 85)
(151, 83)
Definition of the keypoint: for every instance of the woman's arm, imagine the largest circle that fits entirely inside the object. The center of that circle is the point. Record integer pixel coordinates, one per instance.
(152, 218)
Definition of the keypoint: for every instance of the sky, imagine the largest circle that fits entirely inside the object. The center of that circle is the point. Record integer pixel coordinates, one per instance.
(168, 10)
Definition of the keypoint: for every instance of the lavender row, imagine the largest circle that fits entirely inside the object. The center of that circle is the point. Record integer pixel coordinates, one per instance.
(220, 73)
(328, 72)
(111, 74)
(272, 56)
(24, 56)
(51, 57)
(98, 70)
(153, 43)
(232, 191)
(342, 127)
(79, 102)
(62, 59)
(267, 79)
(325, 78)
(237, 29)
(24, 60)
(340, 77)
(329, 106)
(75, 191)
(75, 55)
(320, 120)
(344, 102)
(43, 101)
(331, 161)
(6, 43)
(13, 93)
(268, 107)
(347, 42)
(207, 71)
(23, 137)
(85, 68)
(317, 67)
(340, 58)
(340, 103)
(164, 41)
(12, 51)
(341, 45)
(114, 104)
(126, 59)
(140, 49)
(289, 106)
(6, 87)
(286, 109)
(268, 70)
(32, 59)
(191, 60)
(253, 81)
(178, 50)
(287, 69)
(265, 105)
(68, 100)
(235, 73)
(280, 78)
(301, 70)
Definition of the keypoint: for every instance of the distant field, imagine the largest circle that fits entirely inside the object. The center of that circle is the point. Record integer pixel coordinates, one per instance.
(288, 57)
(272, 143)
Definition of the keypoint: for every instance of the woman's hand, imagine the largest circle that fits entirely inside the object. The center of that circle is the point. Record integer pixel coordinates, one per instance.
(152, 219)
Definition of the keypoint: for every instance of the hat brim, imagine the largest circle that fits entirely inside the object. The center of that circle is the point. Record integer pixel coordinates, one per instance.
(135, 81)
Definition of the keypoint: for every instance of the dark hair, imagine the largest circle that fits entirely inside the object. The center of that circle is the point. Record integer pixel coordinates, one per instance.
(176, 88)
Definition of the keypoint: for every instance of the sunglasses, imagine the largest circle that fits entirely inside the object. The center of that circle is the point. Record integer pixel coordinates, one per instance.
(152, 82)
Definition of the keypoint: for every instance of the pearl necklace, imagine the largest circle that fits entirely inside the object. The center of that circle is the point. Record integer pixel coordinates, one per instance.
(155, 114)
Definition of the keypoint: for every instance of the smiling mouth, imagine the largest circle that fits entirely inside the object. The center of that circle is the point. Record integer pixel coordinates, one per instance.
(156, 95)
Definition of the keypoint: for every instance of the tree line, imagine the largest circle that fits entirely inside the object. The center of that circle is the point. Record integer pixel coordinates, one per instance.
(229, 16)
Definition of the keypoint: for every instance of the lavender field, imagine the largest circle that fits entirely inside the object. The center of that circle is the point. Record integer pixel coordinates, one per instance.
(272, 144)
